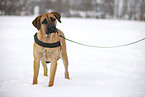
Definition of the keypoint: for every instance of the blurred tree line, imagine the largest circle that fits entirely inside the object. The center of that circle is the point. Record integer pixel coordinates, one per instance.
(119, 9)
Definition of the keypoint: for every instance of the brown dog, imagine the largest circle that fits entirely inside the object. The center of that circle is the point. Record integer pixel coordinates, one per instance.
(49, 34)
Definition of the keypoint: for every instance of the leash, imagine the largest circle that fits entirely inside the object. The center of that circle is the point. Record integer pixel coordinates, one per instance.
(102, 46)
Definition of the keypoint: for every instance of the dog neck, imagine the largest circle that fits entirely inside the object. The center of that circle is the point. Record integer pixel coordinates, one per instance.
(51, 38)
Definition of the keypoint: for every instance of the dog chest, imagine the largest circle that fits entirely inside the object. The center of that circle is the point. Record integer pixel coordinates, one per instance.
(50, 54)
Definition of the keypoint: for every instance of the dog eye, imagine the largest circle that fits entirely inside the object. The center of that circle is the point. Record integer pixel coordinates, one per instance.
(44, 22)
(52, 19)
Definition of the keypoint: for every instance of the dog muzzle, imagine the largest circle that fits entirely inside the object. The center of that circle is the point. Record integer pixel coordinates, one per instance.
(51, 29)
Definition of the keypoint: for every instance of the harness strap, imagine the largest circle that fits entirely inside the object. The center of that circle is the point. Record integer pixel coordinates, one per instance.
(47, 45)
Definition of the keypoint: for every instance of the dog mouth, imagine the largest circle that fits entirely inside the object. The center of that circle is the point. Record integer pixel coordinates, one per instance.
(51, 29)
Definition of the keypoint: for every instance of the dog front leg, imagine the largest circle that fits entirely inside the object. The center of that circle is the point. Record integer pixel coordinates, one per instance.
(36, 70)
(52, 73)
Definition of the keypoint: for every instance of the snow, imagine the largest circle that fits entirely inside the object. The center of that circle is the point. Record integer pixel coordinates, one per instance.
(94, 72)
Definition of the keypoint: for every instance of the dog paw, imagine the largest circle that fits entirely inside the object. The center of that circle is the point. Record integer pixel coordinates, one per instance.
(50, 85)
(67, 78)
(45, 75)
(34, 82)
(67, 75)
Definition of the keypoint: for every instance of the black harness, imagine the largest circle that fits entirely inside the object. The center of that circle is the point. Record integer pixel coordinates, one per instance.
(47, 45)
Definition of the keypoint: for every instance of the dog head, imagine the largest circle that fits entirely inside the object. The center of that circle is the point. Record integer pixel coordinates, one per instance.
(47, 22)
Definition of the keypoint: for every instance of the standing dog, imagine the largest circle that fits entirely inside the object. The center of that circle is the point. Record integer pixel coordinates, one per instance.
(48, 46)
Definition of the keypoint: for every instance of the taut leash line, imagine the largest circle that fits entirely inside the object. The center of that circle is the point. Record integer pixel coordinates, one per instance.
(102, 46)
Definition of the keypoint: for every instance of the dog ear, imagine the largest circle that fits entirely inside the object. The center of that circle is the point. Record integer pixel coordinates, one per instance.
(57, 15)
(36, 22)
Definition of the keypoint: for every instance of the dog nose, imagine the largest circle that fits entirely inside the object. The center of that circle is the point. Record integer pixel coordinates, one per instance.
(50, 26)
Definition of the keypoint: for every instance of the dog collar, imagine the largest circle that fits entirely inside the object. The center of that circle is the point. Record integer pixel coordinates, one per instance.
(47, 45)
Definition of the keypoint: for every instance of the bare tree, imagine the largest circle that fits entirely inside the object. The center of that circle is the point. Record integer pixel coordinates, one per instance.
(142, 10)
(109, 7)
(131, 8)
(124, 9)
(116, 8)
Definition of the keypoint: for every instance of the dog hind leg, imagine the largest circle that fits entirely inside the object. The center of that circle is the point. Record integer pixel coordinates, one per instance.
(65, 62)
(45, 67)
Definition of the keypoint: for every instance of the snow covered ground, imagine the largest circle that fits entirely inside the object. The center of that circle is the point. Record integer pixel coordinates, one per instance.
(94, 72)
